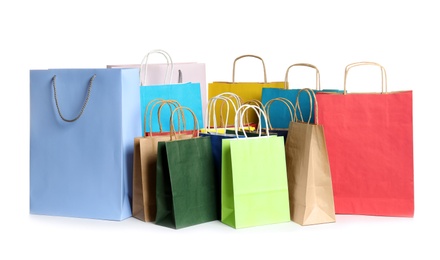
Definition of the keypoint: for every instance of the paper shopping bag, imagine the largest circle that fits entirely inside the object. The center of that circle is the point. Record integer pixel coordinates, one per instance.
(280, 117)
(180, 119)
(144, 165)
(289, 106)
(245, 90)
(82, 126)
(185, 185)
(308, 171)
(183, 82)
(217, 132)
(370, 147)
(254, 180)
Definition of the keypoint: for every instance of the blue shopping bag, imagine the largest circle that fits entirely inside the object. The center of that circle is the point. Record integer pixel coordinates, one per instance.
(82, 126)
(279, 113)
(187, 94)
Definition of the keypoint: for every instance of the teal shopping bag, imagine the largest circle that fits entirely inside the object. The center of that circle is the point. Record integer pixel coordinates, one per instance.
(280, 115)
(82, 126)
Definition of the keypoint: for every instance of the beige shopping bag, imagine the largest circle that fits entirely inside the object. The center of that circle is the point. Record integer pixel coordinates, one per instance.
(308, 170)
(144, 164)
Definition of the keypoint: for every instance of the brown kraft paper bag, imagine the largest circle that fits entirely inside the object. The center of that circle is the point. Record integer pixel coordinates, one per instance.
(144, 166)
(308, 171)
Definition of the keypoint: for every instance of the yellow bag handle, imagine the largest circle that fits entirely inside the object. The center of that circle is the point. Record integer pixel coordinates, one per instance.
(248, 55)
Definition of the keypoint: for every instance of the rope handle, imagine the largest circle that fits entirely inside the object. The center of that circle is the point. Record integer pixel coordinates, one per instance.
(248, 55)
(318, 77)
(312, 97)
(212, 112)
(286, 102)
(182, 110)
(363, 63)
(239, 116)
(144, 65)
(150, 107)
(89, 89)
(255, 102)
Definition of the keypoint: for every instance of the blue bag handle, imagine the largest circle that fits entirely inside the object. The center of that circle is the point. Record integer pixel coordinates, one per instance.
(89, 88)
(318, 80)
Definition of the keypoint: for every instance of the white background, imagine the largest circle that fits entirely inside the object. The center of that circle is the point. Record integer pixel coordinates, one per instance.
(403, 36)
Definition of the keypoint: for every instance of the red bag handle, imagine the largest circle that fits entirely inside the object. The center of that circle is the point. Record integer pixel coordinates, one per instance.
(362, 63)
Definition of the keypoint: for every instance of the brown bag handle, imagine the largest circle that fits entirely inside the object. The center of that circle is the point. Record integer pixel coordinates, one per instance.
(318, 77)
(182, 109)
(363, 63)
(312, 97)
(286, 102)
(150, 107)
(248, 55)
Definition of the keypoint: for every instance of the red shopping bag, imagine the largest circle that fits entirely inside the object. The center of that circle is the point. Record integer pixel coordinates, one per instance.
(370, 147)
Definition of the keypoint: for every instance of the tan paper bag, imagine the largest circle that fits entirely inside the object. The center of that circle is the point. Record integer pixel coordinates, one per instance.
(308, 171)
(144, 165)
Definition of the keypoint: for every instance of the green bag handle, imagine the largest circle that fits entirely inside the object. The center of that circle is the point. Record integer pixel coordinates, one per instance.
(162, 102)
(211, 113)
(239, 116)
(182, 109)
(363, 63)
(255, 102)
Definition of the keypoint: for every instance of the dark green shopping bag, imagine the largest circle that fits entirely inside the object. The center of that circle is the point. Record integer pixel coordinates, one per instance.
(185, 182)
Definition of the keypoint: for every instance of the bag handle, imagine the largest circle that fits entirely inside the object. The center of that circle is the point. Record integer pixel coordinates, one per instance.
(226, 100)
(248, 55)
(239, 116)
(363, 63)
(238, 103)
(162, 102)
(182, 110)
(318, 77)
(255, 102)
(286, 102)
(89, 88)
(144, 65)
(312, 97)
(179, 77)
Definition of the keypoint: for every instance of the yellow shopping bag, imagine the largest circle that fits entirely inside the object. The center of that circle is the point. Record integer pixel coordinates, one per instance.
(247, 91)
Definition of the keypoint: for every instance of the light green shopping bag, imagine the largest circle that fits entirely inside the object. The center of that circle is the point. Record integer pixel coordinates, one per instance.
(254, 180)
